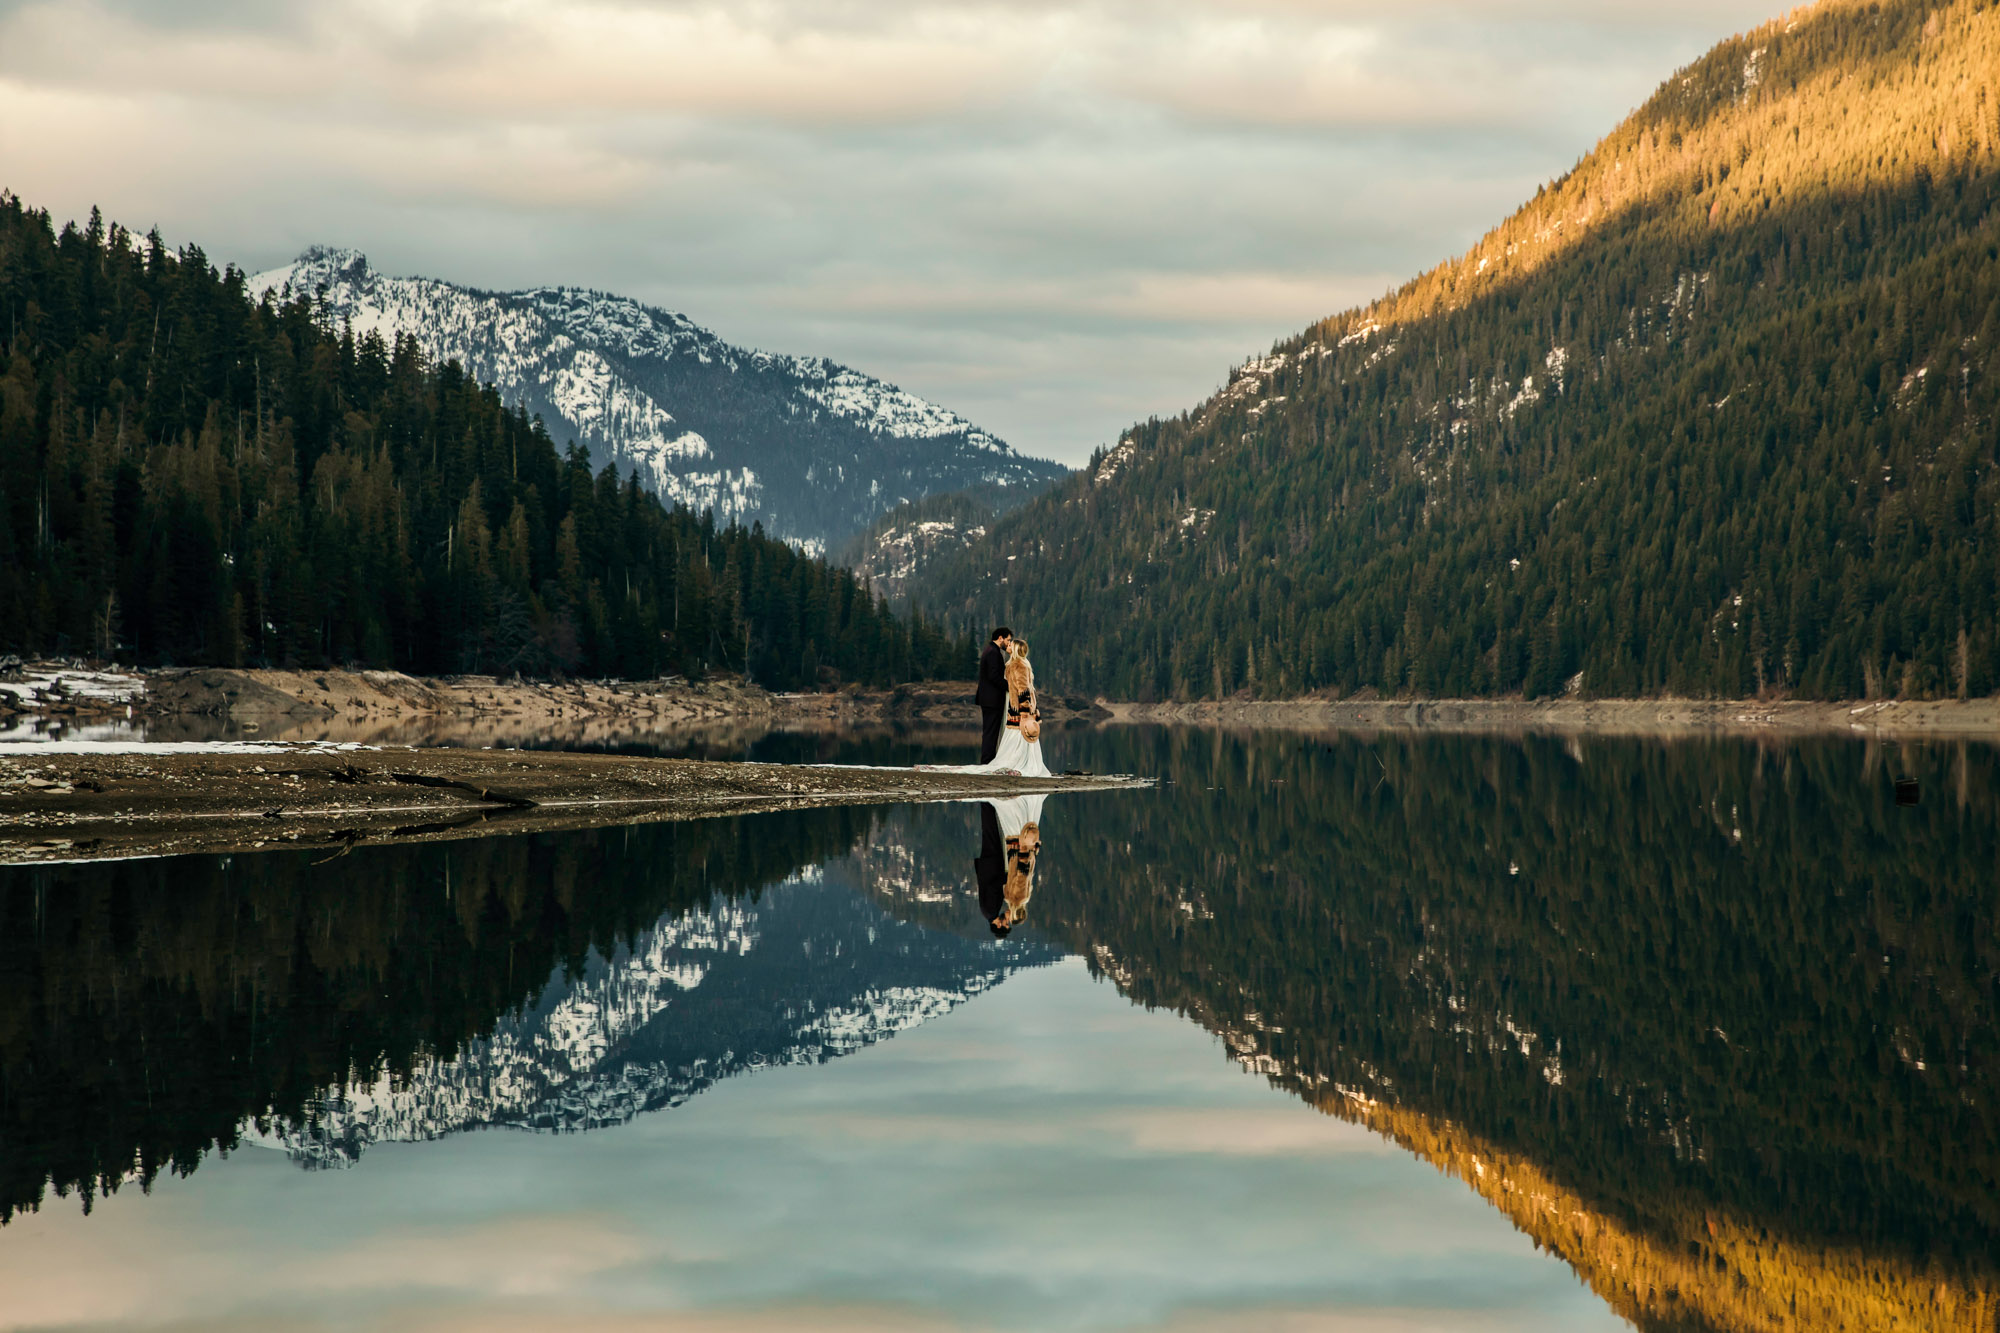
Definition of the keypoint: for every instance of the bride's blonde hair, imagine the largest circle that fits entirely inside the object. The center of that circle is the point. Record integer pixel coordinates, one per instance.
(1020, 655)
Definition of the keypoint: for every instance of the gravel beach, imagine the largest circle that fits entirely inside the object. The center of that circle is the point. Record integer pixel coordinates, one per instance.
(104, 802)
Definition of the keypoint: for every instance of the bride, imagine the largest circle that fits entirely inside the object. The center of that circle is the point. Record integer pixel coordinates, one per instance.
(1020, 752)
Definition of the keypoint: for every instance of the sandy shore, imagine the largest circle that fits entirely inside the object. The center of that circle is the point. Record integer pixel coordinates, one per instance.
(1611, 717)
(168, 801)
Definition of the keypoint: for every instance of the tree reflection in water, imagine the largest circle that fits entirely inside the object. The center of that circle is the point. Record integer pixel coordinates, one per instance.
(1713, 1020)
(148, 1007)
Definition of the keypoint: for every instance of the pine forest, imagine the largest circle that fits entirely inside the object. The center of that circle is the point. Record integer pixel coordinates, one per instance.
(191, 478)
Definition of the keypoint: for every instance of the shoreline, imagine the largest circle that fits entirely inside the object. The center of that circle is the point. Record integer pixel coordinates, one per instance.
(390, 708)
(96, 804)
(1942, 718)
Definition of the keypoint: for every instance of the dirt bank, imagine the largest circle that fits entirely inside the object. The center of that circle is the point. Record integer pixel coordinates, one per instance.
(99, 805)
(276, 699)
(1636, 717)
(944, 705)
(228, 704)
(390, 708)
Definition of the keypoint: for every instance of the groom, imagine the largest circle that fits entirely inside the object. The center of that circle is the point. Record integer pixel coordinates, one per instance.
(992, 695)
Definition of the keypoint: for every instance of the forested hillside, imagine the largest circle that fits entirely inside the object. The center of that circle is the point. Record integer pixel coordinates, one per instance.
(1714, 414)
(189, 477)
(892, 552)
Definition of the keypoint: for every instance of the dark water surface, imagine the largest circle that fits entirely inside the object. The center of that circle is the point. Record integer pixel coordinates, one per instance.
(1324, 1032)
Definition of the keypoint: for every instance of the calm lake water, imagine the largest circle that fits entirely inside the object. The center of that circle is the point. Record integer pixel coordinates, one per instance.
(1383, 1033)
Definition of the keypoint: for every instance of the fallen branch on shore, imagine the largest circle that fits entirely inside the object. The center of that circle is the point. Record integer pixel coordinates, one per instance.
(483, 793)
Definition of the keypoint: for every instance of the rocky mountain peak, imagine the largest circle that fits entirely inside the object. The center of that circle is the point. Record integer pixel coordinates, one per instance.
(812, 449)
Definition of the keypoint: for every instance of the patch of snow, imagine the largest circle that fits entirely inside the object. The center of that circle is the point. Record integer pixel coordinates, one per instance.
(1527, 397)
(39, 685)
(1557, 364)
(1109, 465)
(1752, 75)
(133, 745)
(879, 407)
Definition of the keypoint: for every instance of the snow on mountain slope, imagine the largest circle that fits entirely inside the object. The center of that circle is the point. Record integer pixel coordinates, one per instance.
(808, 972)
(812, 449)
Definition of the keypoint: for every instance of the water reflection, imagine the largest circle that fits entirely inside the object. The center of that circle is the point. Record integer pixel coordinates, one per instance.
(154, 1011)
(1713, 1021)
(1010, 842)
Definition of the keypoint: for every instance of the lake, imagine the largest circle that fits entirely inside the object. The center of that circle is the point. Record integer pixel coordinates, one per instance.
(1392, 1032)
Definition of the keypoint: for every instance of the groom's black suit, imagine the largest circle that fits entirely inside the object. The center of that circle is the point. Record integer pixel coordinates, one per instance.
(990, 870)
(992, 700)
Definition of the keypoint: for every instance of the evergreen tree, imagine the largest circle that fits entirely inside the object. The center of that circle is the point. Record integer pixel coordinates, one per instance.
(189, 477)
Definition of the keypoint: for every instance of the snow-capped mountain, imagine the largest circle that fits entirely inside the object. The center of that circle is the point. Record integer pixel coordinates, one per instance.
(806, 972)
(811, 449)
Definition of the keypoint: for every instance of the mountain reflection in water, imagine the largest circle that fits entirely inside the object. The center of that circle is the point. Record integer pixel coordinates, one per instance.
(1712, 1021)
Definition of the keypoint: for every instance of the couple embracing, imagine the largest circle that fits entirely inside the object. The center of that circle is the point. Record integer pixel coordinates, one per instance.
(1010, 736)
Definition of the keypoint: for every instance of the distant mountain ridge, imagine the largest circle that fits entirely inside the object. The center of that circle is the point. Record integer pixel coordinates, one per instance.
(1713, 415)
(810, 448)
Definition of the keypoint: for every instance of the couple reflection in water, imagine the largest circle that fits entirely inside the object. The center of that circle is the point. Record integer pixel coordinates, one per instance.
(1010, 843)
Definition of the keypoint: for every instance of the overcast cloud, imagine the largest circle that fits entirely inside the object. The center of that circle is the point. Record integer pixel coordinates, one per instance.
(1054, 216)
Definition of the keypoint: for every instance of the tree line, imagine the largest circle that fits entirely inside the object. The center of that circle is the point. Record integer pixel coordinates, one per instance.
(189, 476)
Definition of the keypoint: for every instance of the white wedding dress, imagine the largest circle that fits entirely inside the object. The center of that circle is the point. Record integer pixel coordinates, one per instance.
(1015, 757)
(1017, 812)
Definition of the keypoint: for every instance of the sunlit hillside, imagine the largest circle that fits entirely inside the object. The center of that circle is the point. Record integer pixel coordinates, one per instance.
(1824, 105)
(1719, 1274)
(1712, 414)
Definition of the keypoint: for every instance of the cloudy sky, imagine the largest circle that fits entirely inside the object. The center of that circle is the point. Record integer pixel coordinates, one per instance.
(1055, 216)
